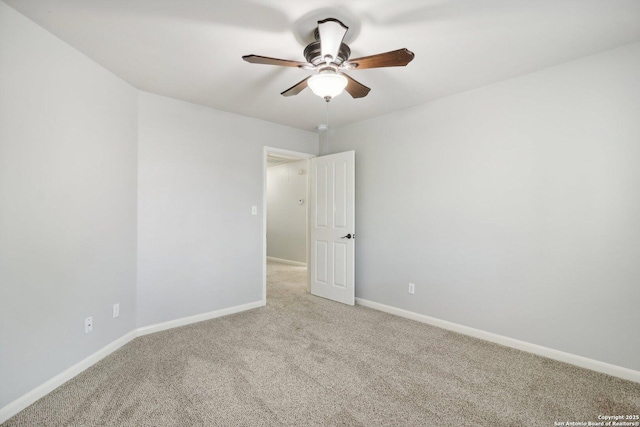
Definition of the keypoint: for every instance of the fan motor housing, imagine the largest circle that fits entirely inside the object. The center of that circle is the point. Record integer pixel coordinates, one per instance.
(313, 53)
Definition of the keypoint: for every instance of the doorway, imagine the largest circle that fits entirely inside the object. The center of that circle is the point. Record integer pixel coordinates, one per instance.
(285, 213)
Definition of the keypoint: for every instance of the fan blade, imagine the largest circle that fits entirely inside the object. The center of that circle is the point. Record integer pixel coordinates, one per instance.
(331, 33)
(257, 59)
(355, 88)
(395, 58)
(296, 88)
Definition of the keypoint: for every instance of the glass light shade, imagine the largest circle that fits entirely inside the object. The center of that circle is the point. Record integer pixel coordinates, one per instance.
(327, 85)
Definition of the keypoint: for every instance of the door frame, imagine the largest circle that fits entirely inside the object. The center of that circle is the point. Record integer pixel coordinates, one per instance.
(296, 155)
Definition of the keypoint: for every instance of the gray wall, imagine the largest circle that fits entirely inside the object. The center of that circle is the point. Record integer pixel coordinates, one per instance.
(69, 134)
(200, 171)
(67, 205)
(514, 208)
(286, 219)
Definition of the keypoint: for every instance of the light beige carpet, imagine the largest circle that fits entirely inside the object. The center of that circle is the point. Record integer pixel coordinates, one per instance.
(296, 363)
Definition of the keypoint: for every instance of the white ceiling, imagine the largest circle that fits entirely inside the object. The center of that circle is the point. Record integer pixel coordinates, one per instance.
(275, 160)
(191, 49)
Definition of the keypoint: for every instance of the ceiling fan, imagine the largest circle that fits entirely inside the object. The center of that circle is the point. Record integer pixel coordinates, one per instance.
(329, 57)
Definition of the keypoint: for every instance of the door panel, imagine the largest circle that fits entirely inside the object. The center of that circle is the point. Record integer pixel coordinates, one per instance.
(340, 196)
(333, 227)
(321, 265)
(339, 264)
(322, 189)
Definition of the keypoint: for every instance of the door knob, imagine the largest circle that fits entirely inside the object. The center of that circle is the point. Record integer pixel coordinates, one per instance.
(348, 236)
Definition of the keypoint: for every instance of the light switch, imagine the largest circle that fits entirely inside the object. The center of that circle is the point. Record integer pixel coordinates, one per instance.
(254, 210)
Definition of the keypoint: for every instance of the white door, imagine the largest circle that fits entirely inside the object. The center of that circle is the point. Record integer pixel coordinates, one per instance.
(333, 227)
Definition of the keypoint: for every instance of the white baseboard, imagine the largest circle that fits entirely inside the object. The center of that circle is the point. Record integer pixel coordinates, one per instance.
(583, 362)
(197, 318)
(24, 401)
(287, 261)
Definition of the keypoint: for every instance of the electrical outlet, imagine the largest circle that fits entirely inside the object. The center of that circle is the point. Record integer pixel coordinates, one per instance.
(88, 325)
(116, 309)
(412, 288)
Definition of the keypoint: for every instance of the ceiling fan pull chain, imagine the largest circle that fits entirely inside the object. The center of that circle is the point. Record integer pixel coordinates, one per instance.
(327, 127)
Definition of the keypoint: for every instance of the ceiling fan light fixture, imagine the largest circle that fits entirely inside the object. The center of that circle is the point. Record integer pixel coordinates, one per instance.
(327, 85)
(330, 57)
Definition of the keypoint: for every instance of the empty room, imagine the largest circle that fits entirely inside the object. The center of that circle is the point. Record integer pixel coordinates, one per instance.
(286, 213)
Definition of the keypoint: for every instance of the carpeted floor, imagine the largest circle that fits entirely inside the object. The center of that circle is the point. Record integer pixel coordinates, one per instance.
(295, 363)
